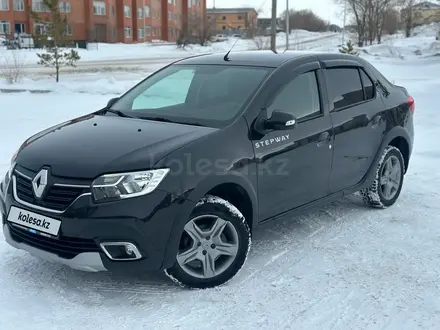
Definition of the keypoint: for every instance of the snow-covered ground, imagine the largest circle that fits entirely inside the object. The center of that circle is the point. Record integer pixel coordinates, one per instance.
(103, 51)
(344, 266)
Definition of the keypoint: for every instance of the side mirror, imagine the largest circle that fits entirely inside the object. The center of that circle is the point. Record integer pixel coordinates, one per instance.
(280, 121)
(112, 101)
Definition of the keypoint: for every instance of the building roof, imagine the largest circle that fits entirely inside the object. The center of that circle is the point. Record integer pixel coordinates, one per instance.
(229, 10)
(427, 5)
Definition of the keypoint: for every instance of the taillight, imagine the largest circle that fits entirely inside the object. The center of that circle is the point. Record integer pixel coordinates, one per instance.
(411, 103)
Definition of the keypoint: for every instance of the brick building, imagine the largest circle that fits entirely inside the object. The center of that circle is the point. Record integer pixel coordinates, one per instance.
(107, 20)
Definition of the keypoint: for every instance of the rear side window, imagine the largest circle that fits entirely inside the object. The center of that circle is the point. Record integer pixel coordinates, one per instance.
(368, 85)
(345, 87)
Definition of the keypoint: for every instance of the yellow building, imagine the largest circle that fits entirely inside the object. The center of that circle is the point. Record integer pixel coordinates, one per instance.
(232, 20)
(426, 13)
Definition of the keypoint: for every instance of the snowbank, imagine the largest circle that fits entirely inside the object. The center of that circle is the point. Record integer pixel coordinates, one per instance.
(104, 51)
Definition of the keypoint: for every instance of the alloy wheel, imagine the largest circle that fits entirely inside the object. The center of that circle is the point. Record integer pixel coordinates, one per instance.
(209, 245)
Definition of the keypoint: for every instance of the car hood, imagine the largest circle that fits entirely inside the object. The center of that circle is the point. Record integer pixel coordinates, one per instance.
(91, 145)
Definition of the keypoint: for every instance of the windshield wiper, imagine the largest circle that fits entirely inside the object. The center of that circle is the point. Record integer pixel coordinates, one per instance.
(166, 120)
(119, 113)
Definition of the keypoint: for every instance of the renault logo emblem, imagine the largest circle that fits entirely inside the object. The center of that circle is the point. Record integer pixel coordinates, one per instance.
(39, 183)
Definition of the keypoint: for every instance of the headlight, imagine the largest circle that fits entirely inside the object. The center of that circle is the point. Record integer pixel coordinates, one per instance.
(126, 185)
(12, 165)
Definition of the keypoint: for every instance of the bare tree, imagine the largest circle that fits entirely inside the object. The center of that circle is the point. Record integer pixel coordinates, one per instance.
(262, 42)
(306, 20)
(369, 18)
(11, 69)
(407, 14)
(391, 21)
(200, 30)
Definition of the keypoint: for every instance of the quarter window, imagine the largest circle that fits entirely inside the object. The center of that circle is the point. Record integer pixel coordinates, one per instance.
(344, 86)
(368, 85)
(299, 97)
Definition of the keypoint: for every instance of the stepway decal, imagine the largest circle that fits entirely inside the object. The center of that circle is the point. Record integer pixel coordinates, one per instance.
(33, 221)
(268, 142)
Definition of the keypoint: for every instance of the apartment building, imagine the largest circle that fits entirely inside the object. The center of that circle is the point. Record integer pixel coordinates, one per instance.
(107, 20)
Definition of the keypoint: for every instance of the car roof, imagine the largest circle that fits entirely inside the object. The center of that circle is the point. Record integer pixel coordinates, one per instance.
(263, 58)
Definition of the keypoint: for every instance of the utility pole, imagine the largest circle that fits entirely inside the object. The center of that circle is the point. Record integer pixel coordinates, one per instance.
(273, 34)
(345, 17)
(287, 24)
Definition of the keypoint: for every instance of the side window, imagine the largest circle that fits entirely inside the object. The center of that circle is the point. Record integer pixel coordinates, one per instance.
(368, 85)
(171, 90)
(344, 87)
(299, 97)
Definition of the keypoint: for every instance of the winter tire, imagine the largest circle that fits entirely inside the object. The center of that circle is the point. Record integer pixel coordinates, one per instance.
(213, 247)
(388, 181)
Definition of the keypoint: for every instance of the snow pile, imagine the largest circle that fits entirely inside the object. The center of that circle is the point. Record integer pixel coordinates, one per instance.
(99, 84)
(429, 30)
(166, 50)
(382, 51)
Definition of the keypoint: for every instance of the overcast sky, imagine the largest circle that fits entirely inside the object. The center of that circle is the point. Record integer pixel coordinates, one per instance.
(327, 9)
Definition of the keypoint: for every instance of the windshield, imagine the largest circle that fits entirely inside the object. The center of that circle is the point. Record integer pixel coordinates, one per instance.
(207, 95)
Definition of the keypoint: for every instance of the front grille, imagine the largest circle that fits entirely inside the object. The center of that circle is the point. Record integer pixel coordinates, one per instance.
(56, 198)
(64, 247)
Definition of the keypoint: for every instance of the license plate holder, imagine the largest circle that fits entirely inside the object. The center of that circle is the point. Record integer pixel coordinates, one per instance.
(33, 221)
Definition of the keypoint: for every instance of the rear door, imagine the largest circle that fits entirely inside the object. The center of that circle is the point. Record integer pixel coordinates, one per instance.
(357, 114)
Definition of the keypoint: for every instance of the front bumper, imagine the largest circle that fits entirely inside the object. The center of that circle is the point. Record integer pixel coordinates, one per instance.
(87, 261)
(150, 222)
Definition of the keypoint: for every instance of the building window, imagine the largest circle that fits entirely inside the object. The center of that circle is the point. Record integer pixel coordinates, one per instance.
(38, 6)
(140, 33)
(126, 11)
(170, 32)
(189, 3)
(64, 7)
(127, 31)
(140, 13)
(148, 30)
(224, 18)
(4, 5)
(5, 27)
(40, 29)
(99, 8)
(147, 11)
(170, 15)
(170, 2)
(19, 5)
(239, 17)
(68, 30)
(113, 11)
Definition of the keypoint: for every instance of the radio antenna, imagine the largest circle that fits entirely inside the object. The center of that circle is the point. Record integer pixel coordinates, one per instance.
(226, 57)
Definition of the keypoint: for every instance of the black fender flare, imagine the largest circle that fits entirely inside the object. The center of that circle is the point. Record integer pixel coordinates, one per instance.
(393, 133)
(192, 199)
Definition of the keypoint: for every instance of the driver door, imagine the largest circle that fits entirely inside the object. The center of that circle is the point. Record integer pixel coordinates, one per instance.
(294, 163)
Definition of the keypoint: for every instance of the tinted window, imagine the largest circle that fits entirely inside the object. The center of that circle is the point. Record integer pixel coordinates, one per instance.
(299, 97)
(344, 86)
(368, 85)
(209, 95)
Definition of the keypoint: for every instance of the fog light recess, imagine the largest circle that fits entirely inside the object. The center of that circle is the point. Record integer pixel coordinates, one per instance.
(121, 251)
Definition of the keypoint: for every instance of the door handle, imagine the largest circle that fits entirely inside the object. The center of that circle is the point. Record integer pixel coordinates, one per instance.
(324, 137)
(376, 121)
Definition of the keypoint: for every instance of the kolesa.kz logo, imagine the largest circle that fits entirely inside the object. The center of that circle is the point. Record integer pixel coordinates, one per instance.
(34, 221)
